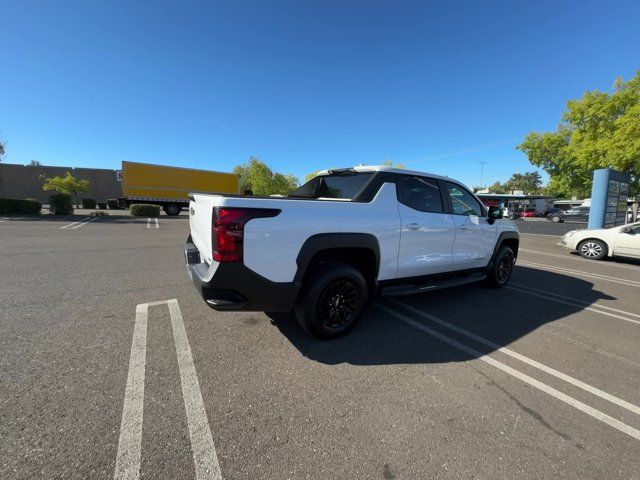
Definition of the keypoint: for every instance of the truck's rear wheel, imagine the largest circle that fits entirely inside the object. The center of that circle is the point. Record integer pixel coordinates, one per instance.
(172, 209)
(332, 301)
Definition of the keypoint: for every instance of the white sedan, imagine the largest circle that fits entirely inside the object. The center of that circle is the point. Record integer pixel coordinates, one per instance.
(605, 242)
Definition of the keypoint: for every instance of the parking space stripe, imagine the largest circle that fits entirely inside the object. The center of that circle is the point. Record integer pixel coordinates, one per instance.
(204, 452)
(74, 223)
(83, 223)
(607, 278)
(556, 297)
(579, 259)
(154, 224)
(130, 442)
(573, 381)
(597, 414)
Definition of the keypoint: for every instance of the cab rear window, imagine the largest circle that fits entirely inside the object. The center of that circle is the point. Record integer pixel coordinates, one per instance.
(343, 186)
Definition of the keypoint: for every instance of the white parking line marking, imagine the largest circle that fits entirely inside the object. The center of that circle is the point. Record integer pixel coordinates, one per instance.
(573, 381)
(83, 223)
(597, 414)
(204, 452)
(607, 278)
(594, 307)
(154, 224)
(4, 219)
(579, 259)
(74, 223)
(540, 235)
(130, 442)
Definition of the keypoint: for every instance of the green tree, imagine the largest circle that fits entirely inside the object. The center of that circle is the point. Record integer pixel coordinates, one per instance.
(261, 180)
(598, 130)
(529, 182)
(67, 184)
(498, 187)
(2, 151)
(311, 175)
(35, 163)
(389, 163)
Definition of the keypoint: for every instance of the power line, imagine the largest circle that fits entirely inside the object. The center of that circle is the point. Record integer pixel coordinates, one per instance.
(474, 148)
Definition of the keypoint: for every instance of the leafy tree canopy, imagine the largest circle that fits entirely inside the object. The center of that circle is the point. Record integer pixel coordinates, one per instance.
(67, 184)
(598, 130)
(2, 151)
(261, 180)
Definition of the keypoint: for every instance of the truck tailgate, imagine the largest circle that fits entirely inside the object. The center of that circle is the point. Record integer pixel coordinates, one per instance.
(200, 216)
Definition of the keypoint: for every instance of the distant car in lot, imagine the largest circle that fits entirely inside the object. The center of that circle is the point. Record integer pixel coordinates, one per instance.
(550, 210)
(531, 212)
(605, 242)
(577, 214)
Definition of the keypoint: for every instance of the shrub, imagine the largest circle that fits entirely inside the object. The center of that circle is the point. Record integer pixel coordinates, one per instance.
(28, 206)
(89, 203)
(60, 204)
(102, 205)
(145, 210)
(112, 203)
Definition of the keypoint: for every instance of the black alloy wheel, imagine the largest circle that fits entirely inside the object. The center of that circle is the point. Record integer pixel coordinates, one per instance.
(337, 304)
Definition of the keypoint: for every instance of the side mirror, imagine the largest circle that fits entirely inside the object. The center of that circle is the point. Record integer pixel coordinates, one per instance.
(495, 213)
(628, 230)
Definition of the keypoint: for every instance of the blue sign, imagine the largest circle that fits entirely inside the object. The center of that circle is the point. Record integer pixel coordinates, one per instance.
(609, 198)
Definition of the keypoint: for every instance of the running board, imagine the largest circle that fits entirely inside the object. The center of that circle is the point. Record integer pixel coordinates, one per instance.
(399, 290)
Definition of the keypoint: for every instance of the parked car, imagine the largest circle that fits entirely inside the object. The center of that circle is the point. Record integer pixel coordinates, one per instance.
(342, 238)
(531, 212)
(577, 214)
(548, 211)
(605, 242)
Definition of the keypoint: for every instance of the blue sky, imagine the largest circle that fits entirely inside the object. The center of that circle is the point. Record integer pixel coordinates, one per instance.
(303, 85)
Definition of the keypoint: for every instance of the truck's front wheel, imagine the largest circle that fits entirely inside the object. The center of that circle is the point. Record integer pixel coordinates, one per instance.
(332, 301)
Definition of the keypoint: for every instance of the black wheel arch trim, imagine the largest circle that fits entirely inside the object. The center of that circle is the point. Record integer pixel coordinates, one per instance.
(508, 235)
(329, 241)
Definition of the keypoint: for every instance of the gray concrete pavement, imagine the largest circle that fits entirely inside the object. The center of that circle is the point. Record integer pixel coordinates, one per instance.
(432, 386)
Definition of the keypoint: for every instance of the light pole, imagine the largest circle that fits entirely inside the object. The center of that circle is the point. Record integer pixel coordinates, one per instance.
(482, 173)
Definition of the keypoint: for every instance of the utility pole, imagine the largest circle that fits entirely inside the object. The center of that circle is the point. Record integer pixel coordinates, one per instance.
(482, 173)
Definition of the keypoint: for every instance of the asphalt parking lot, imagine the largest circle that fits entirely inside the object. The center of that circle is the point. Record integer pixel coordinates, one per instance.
(111, 362)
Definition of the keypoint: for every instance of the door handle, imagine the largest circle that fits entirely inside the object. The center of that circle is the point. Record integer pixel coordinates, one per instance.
(462, 227)
(413, 226)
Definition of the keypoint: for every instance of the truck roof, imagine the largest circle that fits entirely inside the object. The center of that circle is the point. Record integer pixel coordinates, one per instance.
(385, 168)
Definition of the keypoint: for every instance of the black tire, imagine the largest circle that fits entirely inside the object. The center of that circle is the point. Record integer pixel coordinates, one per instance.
(172, 209)
(332, 300)
(556, 218)
(592, 249)
(501, 268)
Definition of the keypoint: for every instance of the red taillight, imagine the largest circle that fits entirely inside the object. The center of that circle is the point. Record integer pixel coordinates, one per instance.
(228, 230)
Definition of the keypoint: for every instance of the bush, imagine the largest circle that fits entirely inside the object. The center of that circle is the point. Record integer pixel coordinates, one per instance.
(145, 210)
(60, 204)
(112, 203)
(89, 203)
(28, 206)
(102, 205)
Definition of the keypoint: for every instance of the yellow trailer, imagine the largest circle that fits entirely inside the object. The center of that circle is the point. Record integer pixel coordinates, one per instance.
(170, 186)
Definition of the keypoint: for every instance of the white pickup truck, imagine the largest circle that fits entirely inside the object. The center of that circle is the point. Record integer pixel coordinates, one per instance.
(342, 238)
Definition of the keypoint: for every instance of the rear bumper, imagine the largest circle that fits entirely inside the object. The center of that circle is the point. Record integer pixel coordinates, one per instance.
(233, 286)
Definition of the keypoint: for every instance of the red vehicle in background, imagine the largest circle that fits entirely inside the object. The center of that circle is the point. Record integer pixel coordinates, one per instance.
(531, 212)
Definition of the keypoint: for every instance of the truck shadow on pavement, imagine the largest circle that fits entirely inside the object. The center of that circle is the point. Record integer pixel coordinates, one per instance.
(500, 316)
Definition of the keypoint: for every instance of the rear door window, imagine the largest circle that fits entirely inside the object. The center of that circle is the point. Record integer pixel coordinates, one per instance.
(420, 193)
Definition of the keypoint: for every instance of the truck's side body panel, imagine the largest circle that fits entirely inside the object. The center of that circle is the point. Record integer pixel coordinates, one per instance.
(145, 182)
(271, 245)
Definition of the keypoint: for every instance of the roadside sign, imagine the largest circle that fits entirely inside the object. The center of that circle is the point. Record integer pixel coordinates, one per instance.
(119, 175)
